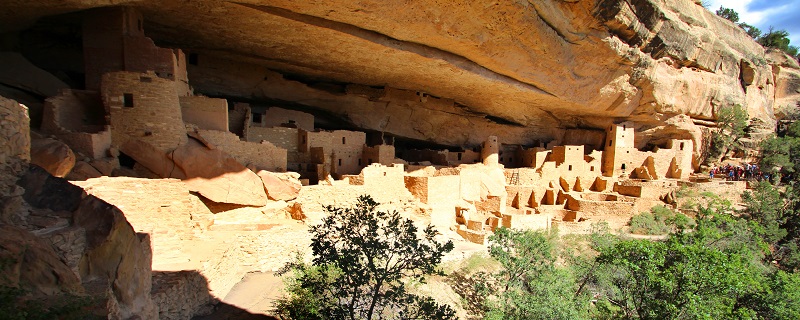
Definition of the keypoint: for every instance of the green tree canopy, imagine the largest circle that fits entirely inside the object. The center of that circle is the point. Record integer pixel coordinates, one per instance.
(530, 286)
(752, 31)
(731, 125)
(778, 39)
(728, 13)
(362, 259)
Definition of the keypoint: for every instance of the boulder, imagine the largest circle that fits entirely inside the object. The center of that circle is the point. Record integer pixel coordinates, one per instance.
(105, 165)
(296, 211)
(33, 265)
(83, 171)
(42, 190)
(281, 185)
(52, 155)
(99, 248)
(217, 176)
(152, 158)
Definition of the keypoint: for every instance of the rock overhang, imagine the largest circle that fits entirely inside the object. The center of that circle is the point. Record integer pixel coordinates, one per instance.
(530, 68)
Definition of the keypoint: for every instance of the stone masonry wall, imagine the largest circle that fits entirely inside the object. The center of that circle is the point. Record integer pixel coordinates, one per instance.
(264, 155)
(383, 154)
(16, 143)
(143, 106)
(77, 118)
(236, 118)
(114, 40)
(74, 110)
(204, 112)
(276, 117)
(286, 138)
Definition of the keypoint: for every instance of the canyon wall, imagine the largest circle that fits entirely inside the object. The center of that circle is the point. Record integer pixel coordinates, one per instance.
(465, 71)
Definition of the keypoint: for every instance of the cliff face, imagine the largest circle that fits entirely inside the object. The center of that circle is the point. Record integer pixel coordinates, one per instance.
(455, 73)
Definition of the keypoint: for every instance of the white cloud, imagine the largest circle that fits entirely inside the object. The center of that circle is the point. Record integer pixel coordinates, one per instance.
(766, 17)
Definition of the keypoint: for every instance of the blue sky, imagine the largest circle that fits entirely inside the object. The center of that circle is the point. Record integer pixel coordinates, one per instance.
(782, 14)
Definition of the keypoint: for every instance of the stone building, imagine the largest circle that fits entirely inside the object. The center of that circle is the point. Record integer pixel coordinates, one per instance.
(78, 118)
(621, 157)
(114, 40)
(205, 113)
(143, 106)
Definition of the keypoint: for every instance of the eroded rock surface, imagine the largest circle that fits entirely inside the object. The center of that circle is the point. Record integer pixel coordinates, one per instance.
(281, 186)
(217, 176)
(455, 73)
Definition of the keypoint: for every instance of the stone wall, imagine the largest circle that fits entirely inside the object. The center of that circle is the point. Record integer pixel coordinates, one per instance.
(75, 111)
(382, 180)
(143, 106)
(204, 112)
(237, 117)
(16, 133)
(264, 155)
(383, 154)
(463, 157)
(114, 40)
(344, 148)
(180, 295)
(279, 117)
(15, 146)
(78, 119)
(286, 138)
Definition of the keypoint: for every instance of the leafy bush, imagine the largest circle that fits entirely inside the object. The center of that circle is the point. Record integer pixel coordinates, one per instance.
(362, 259)
(660, 220)
(530, 286)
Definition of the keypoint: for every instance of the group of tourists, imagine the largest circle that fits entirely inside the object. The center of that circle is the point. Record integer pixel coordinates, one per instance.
(738, 173)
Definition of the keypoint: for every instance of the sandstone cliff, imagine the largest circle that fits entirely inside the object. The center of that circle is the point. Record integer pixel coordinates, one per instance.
(455, 72)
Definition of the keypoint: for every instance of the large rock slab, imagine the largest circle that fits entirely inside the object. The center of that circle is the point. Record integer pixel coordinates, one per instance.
(52, 155)
(217, 176)
(83, 171)
(99, 247)
(33, 265)
(281, 185)
(152, 158)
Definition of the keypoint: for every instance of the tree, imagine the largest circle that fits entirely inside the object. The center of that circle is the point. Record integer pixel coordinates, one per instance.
(778, 39)
(752, 31)
(782, 153)
(673, 280)
(362, 259)
(530, 286)
(731, 124)
(728, 13)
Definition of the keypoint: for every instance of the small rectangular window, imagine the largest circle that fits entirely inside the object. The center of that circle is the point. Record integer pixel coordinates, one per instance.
(340, 162)
(570, 167)
(343, 140)
(256, 118)
(127, 100)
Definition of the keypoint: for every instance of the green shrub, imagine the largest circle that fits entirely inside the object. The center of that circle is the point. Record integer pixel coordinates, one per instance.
(660, 220)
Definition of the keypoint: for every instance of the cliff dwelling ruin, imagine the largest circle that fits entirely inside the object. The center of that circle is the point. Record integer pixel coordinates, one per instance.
(213, 150)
